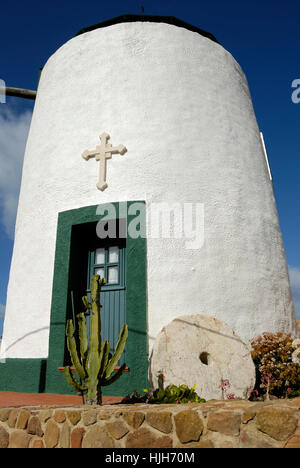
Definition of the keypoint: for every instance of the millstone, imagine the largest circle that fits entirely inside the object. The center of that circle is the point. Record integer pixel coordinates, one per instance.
(197, 349)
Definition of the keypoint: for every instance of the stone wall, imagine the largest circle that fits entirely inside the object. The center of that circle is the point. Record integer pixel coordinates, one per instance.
(215, 424)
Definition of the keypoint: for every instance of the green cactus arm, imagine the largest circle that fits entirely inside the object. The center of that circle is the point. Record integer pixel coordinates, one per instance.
(95, 323)
(93, 367)
(118, 351)
(104, 357)
(71, 344)
(95, 288)
(86, 302)
(93, 360)
(83, 336)
(72, 381)
(116, 376)
(96, 284)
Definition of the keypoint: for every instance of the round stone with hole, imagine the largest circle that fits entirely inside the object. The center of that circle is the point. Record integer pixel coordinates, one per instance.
(197, 349)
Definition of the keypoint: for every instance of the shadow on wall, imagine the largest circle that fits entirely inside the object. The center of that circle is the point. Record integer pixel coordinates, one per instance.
(43, 372)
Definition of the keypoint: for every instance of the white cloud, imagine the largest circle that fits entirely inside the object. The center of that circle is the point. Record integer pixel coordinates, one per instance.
(295, 285)
(13, 135)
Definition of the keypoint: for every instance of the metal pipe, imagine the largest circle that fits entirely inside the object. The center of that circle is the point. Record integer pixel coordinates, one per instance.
(18, 92)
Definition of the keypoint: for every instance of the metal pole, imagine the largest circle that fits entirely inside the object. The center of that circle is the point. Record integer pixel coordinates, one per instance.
(18, 92)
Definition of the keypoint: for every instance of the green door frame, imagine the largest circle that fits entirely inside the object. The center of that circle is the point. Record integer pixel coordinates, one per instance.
(136, 302)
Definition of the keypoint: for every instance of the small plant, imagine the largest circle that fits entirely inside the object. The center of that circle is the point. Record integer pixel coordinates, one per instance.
(224, 386)
(277, 369)
(136, 397)
(265, 383)
(172, 394)
(95, 365)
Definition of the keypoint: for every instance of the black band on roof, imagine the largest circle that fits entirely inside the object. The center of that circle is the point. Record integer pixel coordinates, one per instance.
(149, 18)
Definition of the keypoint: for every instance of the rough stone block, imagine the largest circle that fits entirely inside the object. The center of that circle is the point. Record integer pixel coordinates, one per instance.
(4, 414)
(19, 439)
(162, 421)
(74, 417)
(36, 443)
(64, 440)
(226, 422)
(52, 434)
(144, 438)
(76, 437)
(294, 441)
(4, 438)
(22, 420)
(189, 426)
(117, 429)
(59, 416)
(278, 423)
(134, 418)
(12, 418)
(34, 426)
(89, 417)
(96, 437)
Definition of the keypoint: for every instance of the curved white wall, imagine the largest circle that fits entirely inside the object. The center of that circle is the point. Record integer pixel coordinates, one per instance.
(180, 104)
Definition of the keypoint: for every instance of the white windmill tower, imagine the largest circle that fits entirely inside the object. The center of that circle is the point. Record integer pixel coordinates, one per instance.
(180, 104)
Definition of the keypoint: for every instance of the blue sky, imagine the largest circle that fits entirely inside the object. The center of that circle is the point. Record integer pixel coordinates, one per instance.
(263, 36)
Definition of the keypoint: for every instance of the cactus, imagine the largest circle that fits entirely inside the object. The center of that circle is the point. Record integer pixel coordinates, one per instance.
(95, 365)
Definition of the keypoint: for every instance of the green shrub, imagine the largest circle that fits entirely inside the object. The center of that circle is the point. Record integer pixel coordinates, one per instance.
(170, 395)
(174, 394)
(277, 368)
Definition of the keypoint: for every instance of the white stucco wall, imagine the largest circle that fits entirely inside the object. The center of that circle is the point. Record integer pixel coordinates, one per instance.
(180, 104)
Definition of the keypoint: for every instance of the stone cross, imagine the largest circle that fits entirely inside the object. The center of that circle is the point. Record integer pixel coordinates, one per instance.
(101, 154)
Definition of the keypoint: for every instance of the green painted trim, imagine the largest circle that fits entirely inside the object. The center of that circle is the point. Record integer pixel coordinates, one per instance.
(136, 349)
(23, 375)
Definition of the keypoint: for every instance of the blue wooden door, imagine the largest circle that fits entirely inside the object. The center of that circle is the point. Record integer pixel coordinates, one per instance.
(108, 261)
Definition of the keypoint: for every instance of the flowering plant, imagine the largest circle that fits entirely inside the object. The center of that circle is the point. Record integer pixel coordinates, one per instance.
(277, 358)
(224, 386)
(296, 353)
